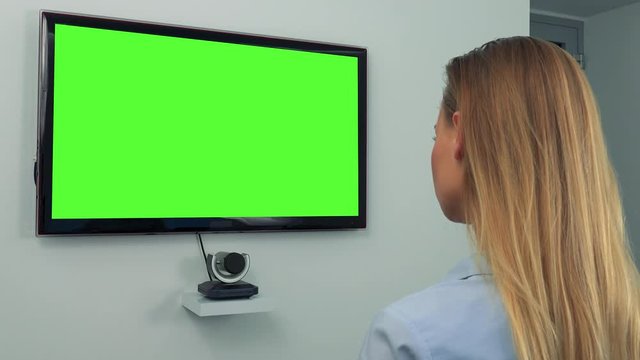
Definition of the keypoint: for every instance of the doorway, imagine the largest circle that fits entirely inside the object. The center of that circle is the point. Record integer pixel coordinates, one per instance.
(566, 33)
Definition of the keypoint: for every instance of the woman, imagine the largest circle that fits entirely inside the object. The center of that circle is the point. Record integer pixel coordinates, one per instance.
(519, 156)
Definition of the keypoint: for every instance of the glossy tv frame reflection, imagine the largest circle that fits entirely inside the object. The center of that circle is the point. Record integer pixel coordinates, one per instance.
(151, 128)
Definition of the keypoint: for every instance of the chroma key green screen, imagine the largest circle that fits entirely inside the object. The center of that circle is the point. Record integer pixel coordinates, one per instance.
(150, 126)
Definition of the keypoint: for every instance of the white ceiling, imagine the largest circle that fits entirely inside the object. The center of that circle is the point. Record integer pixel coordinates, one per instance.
(581, 8)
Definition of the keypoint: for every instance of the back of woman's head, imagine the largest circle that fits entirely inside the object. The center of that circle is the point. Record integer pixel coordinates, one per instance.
(542, 201)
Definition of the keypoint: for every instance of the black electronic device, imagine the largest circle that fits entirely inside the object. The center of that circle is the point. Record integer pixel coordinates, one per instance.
(228, 267)
(226, 270)
(147, 128)
(217, 290)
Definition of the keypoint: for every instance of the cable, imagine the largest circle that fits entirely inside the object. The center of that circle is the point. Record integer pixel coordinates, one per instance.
(203, 254)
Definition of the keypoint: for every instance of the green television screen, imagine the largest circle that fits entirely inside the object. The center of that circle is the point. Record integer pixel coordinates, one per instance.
(149, 128)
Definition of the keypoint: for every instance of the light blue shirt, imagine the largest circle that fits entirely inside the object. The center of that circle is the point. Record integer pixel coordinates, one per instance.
(460, 318)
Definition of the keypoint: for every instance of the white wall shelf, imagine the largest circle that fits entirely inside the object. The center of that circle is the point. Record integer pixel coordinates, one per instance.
(202, 306)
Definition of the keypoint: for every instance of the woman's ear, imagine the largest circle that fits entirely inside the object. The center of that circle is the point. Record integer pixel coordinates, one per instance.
(456, 119)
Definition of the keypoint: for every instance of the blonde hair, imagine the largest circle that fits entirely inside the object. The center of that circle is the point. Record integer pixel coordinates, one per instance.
(542, 201)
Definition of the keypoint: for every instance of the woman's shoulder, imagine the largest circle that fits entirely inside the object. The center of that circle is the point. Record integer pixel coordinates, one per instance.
(465, 289)
(461, 317)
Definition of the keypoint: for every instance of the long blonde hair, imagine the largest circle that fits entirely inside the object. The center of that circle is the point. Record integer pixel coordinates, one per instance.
(542, 201)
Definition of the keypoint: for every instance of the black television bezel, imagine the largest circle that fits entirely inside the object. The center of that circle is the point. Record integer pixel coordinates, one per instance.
(45, 225)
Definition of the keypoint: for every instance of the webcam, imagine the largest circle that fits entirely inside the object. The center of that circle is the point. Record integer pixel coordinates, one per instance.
(228, 269)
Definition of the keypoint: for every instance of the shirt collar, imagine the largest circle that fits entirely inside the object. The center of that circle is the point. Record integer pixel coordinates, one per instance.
(470, 266)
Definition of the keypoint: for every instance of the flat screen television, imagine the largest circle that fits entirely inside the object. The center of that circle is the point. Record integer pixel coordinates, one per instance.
(149, 128)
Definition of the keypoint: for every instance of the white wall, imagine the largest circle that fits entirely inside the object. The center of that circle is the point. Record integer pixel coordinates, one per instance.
(118, 297)
(612, 52)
